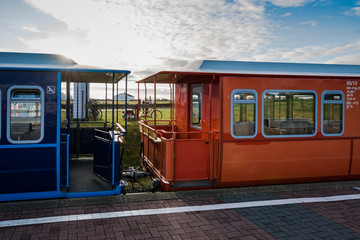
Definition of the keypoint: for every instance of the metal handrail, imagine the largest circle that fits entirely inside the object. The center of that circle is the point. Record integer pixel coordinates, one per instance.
(170, 132)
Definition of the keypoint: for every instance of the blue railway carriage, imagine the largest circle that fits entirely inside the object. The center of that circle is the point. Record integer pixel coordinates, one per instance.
(35, 147)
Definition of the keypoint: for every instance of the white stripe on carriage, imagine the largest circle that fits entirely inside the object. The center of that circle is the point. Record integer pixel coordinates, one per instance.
(158, 211)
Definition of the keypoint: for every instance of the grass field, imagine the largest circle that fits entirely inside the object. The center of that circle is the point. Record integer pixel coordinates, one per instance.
(132, 139)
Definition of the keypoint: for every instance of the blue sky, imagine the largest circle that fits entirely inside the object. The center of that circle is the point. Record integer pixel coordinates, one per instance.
(148, 36)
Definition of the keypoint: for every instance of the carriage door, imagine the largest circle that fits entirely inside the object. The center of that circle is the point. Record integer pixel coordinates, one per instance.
(193, 151)
(103, 155)
(107, 158)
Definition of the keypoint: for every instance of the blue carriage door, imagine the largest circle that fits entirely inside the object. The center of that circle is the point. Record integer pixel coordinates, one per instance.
(102, 155)
(107, 157)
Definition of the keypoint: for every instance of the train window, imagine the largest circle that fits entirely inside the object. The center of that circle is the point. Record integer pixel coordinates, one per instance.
(196, 104)
(333, 109)
(25, 114)
(289, 113)
(243, 113)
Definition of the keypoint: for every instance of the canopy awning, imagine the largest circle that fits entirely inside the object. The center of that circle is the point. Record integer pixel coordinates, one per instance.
(58, 63)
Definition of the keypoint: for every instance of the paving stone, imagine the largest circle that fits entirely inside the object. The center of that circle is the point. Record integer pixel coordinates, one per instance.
(285, 221)
(336, 220)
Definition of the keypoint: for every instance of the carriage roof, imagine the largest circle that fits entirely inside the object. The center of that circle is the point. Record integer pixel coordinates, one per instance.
(214, 67)
(58, 63)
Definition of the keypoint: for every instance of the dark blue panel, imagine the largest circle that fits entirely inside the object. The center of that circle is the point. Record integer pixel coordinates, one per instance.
(27, 170)
(82, 141)
(63, 160)
(42, 79)
(102, 158)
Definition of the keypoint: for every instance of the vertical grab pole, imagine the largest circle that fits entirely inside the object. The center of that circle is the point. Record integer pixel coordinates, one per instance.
(138, 107)
(173, 105)
(68, 104)
(112, 131)
(68, 130)
(145, 103)
(126, 79)
(117, 102)
(77, 103)
(173, 131)
(105, 105)
(211, 145)
(155, 102)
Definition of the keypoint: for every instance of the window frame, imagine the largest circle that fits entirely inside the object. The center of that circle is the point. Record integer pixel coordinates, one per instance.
(200, 106)
(323, 101)
(9, 101)
(235, 91)
(292, 91)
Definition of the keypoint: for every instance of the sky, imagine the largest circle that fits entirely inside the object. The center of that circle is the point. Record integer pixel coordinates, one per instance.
(149, 36)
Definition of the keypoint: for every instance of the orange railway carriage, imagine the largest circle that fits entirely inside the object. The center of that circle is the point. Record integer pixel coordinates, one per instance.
(252, 123)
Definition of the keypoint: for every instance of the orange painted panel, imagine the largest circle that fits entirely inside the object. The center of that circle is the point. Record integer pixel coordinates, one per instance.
(355, 166)
(260, 84)
(145, 140)
(246, 161)
(192, 159)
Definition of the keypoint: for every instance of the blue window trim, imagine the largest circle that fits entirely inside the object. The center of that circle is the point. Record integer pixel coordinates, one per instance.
(243, 101)
(9, 109)
(323, 101)
(46, 145)
(287, 136)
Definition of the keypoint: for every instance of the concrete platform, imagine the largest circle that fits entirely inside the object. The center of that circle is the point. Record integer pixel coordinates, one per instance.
(298, 211)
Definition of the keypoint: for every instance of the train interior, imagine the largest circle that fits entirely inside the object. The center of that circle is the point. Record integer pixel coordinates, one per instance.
(91, 135)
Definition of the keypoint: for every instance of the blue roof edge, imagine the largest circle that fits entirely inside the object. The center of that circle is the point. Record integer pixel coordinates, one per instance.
(46, 62)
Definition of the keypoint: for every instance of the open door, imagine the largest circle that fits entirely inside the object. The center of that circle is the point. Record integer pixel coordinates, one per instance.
(107, 157)
(102, 155)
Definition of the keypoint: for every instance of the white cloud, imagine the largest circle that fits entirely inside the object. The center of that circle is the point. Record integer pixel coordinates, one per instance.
(354, 11)
(146, 35)
(345, 54)
(286, 15)
(289, 3)
(312, 23)
(346, 59)
(31, 28)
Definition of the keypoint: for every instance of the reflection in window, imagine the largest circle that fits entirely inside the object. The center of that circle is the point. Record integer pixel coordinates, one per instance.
(243, 113)
(25, 114)
(333, 105)
(196, 99)
(289, 113)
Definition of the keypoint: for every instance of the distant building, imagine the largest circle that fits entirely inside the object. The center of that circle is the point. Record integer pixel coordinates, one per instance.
(121, 97)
